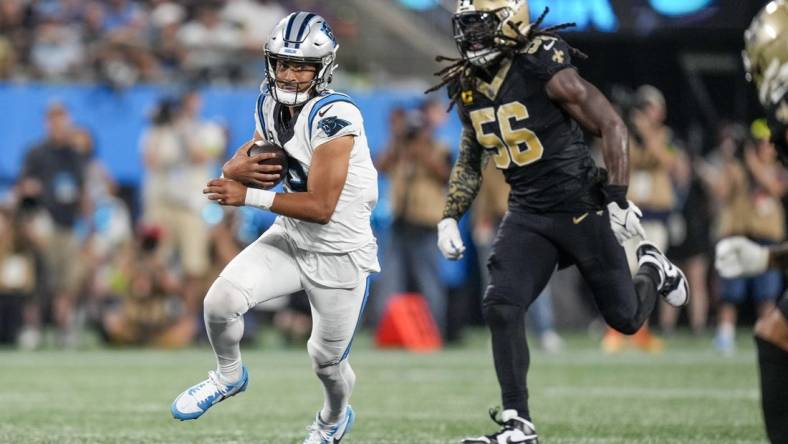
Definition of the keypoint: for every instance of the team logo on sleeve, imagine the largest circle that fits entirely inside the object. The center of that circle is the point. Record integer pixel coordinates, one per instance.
(332, 125)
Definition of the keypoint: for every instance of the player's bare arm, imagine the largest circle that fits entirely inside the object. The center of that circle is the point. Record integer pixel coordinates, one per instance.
(325, 183)
(466, 176)
(591, 109)
(250, 169)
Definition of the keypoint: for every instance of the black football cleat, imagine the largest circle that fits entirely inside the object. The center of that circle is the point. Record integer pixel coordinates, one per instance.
(514, 430)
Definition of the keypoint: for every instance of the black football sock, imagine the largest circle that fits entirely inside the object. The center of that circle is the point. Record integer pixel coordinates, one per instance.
(510, 353)
(646, 284)
(773, 365)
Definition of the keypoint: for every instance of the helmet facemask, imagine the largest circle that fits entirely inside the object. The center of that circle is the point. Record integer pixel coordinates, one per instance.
(293, 93)
(475, 33)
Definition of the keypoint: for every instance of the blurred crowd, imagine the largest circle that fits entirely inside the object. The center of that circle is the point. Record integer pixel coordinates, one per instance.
(123, 42)
(77, 255)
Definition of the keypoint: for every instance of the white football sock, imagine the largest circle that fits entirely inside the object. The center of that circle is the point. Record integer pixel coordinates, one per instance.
(338, 382)
(224, 307)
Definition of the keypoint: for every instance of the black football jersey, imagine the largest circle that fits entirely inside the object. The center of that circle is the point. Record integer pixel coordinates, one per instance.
(538, 146)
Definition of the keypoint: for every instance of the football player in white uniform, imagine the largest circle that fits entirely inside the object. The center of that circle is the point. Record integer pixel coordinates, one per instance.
(322, 242)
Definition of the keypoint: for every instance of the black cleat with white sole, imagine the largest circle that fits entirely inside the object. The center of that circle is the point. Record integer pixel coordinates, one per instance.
(514, 430)
(673, 284)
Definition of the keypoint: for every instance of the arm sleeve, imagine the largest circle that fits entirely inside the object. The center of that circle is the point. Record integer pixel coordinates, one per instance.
(466, 176)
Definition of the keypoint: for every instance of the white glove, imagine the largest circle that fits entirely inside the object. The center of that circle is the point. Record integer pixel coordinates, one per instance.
(625, 222)
(739, 256)
(449, 239)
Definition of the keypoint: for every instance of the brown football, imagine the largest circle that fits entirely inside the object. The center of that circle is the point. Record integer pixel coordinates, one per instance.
(261, 146)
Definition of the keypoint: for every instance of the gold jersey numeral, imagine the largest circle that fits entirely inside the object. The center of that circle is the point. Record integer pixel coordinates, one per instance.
(515, 146)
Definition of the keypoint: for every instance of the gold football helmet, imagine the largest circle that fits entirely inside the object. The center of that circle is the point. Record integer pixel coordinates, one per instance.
(481, 25)
(766, 51)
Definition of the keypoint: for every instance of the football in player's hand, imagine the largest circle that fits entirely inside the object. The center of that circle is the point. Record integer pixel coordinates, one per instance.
(279, 158)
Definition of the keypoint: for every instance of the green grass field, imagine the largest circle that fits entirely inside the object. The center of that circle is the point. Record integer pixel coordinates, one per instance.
(687, 394)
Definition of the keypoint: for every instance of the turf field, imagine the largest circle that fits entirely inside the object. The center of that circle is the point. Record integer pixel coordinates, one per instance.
(687, 394)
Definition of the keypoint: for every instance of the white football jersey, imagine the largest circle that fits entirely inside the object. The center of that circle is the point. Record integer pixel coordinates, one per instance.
(324, 118)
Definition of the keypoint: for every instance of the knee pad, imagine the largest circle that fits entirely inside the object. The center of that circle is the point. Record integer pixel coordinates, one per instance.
(621, 322)
(324, 361)
(626, 327)
(224, 301)
(498, 313)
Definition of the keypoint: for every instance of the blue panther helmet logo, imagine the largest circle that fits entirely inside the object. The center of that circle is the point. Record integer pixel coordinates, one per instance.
(332, 125)
(327, 30)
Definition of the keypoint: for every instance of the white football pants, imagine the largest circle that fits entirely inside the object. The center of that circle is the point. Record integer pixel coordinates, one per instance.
(265, 270)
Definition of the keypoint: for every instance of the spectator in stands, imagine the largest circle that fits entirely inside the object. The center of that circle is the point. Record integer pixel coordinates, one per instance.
(211, 46)
(418, 170)
(124, 16)
(752, 190)
(166, 20)
(53, 174)
(16, 25)
(255, 19)
(57, 50)
(7, 59)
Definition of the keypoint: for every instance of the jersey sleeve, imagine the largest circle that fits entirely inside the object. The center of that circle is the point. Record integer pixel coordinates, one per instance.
(259, 116)
(548, 55)
(334, 120)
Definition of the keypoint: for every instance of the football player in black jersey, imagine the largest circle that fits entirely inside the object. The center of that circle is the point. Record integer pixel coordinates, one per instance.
(766, 60)
(524, 105)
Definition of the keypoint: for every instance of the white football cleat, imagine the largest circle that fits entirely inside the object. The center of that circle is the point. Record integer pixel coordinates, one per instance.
(197, 399)
(322, 433)
(673, 284)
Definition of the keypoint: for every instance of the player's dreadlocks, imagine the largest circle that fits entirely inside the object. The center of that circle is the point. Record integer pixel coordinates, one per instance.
(454, 72)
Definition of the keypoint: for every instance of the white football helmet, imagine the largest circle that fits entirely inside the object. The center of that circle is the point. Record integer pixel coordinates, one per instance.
(303, 38)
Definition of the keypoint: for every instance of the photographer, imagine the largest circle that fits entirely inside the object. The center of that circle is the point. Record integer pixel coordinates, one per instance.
(140, 299)
(652, 158)
(418, 169)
